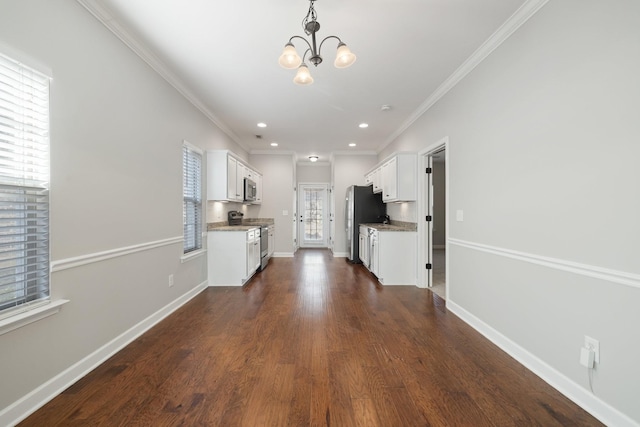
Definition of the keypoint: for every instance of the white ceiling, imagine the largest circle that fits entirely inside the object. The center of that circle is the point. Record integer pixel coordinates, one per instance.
(223, 55)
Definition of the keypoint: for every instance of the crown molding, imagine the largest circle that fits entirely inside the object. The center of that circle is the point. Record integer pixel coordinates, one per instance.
(515, 21)
(105, 16)
(274, 153)
(355, 153)
(302, 162)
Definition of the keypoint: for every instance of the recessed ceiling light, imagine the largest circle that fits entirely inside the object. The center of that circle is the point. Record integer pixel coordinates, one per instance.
(353, 144)
(363, 125)
(262, 125)
(274, 144)
(313, 158)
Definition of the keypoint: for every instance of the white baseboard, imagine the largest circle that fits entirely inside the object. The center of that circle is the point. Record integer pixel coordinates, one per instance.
(573, 391)
(22, 408)
(340, 254)
(282, 255)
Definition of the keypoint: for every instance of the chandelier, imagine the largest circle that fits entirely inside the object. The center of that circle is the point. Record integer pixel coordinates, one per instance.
(290, 58)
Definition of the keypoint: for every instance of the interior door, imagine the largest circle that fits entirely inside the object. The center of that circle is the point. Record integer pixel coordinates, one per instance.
(313, 215)
(430, 211)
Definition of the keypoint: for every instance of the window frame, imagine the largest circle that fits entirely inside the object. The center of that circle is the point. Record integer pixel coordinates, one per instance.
(25, 137)
(192, 196)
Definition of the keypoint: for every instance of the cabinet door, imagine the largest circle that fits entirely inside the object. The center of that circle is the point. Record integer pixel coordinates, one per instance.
(377, 180)
(364, 249)
(390, 180)
(249, 259)
(256, 254)
(241, 174)
(272, 241)
(258, 188)
(249, 254)
(373, 254)
(232, 168)
(368, 179)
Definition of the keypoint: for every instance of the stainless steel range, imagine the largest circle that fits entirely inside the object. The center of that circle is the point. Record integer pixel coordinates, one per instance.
(264, 246)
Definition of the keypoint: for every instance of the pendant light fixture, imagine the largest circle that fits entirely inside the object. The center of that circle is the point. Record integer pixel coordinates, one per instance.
(290, 58)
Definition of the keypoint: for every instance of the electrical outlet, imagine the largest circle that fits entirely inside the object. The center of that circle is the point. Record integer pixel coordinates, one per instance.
(594, 345)
(170, 280)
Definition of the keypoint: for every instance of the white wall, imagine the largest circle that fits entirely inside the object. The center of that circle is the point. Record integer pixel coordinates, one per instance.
(347, 170)
(543, 161)
(278, 185)
(315, 173)
(116, 181)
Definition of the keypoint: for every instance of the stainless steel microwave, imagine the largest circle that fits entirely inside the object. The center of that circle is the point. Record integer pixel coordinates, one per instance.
(250, 190)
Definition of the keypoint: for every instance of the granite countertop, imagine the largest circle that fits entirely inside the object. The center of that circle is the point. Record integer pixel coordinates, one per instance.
(394, 226)
(232, 227)
(247, 224)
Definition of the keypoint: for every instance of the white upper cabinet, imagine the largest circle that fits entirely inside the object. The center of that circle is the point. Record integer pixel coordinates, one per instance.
(374, 179)
(390, 180)
(225, 177)
(368, 179)
(232, 179)
(258, 180)
(241, 175)
(396, 177)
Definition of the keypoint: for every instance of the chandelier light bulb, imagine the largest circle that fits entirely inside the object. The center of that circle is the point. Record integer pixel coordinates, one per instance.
(289, 58)
(303, 76)
(344, 57)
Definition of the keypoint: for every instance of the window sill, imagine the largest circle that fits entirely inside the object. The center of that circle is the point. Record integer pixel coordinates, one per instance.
(19, 320)
(195, 254)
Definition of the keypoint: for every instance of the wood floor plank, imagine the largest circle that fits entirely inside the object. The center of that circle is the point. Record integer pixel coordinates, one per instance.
(311, 341)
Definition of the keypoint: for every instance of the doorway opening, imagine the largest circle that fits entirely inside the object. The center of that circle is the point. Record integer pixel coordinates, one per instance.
(434, 232)
(313, 215)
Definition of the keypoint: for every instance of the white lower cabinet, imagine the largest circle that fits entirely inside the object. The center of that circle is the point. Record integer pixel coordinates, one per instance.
(271, 241)
(363, 245)
(253, 252)
(391, 256)
(374, 254)
(233, 256)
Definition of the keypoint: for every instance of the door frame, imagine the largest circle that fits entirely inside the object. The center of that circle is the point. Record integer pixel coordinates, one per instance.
(326, 214)
(425, 241)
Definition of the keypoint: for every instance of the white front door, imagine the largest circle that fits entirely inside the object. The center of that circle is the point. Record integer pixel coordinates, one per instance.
(313, 215)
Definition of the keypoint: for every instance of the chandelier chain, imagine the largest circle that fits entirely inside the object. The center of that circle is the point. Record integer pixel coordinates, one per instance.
(311, 17)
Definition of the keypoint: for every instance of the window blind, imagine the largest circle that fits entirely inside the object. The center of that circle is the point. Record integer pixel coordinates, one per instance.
(192, 198)
(24, 187)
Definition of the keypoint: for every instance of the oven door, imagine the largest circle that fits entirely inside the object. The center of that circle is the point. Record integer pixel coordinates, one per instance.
(264, 241)
(264, 247)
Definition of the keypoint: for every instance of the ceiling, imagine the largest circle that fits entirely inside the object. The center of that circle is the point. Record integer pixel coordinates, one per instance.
(223, 55)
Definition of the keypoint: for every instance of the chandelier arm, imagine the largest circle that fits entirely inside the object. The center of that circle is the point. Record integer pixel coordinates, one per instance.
(301, 38)
(327, 38)
(305, 54)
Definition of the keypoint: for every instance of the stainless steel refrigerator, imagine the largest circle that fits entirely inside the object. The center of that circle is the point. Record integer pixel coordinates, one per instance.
(362, 206)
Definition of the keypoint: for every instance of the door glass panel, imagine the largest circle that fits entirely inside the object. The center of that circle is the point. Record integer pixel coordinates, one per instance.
(313, 215)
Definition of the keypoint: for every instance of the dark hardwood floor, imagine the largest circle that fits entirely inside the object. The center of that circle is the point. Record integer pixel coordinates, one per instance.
(311, 341)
